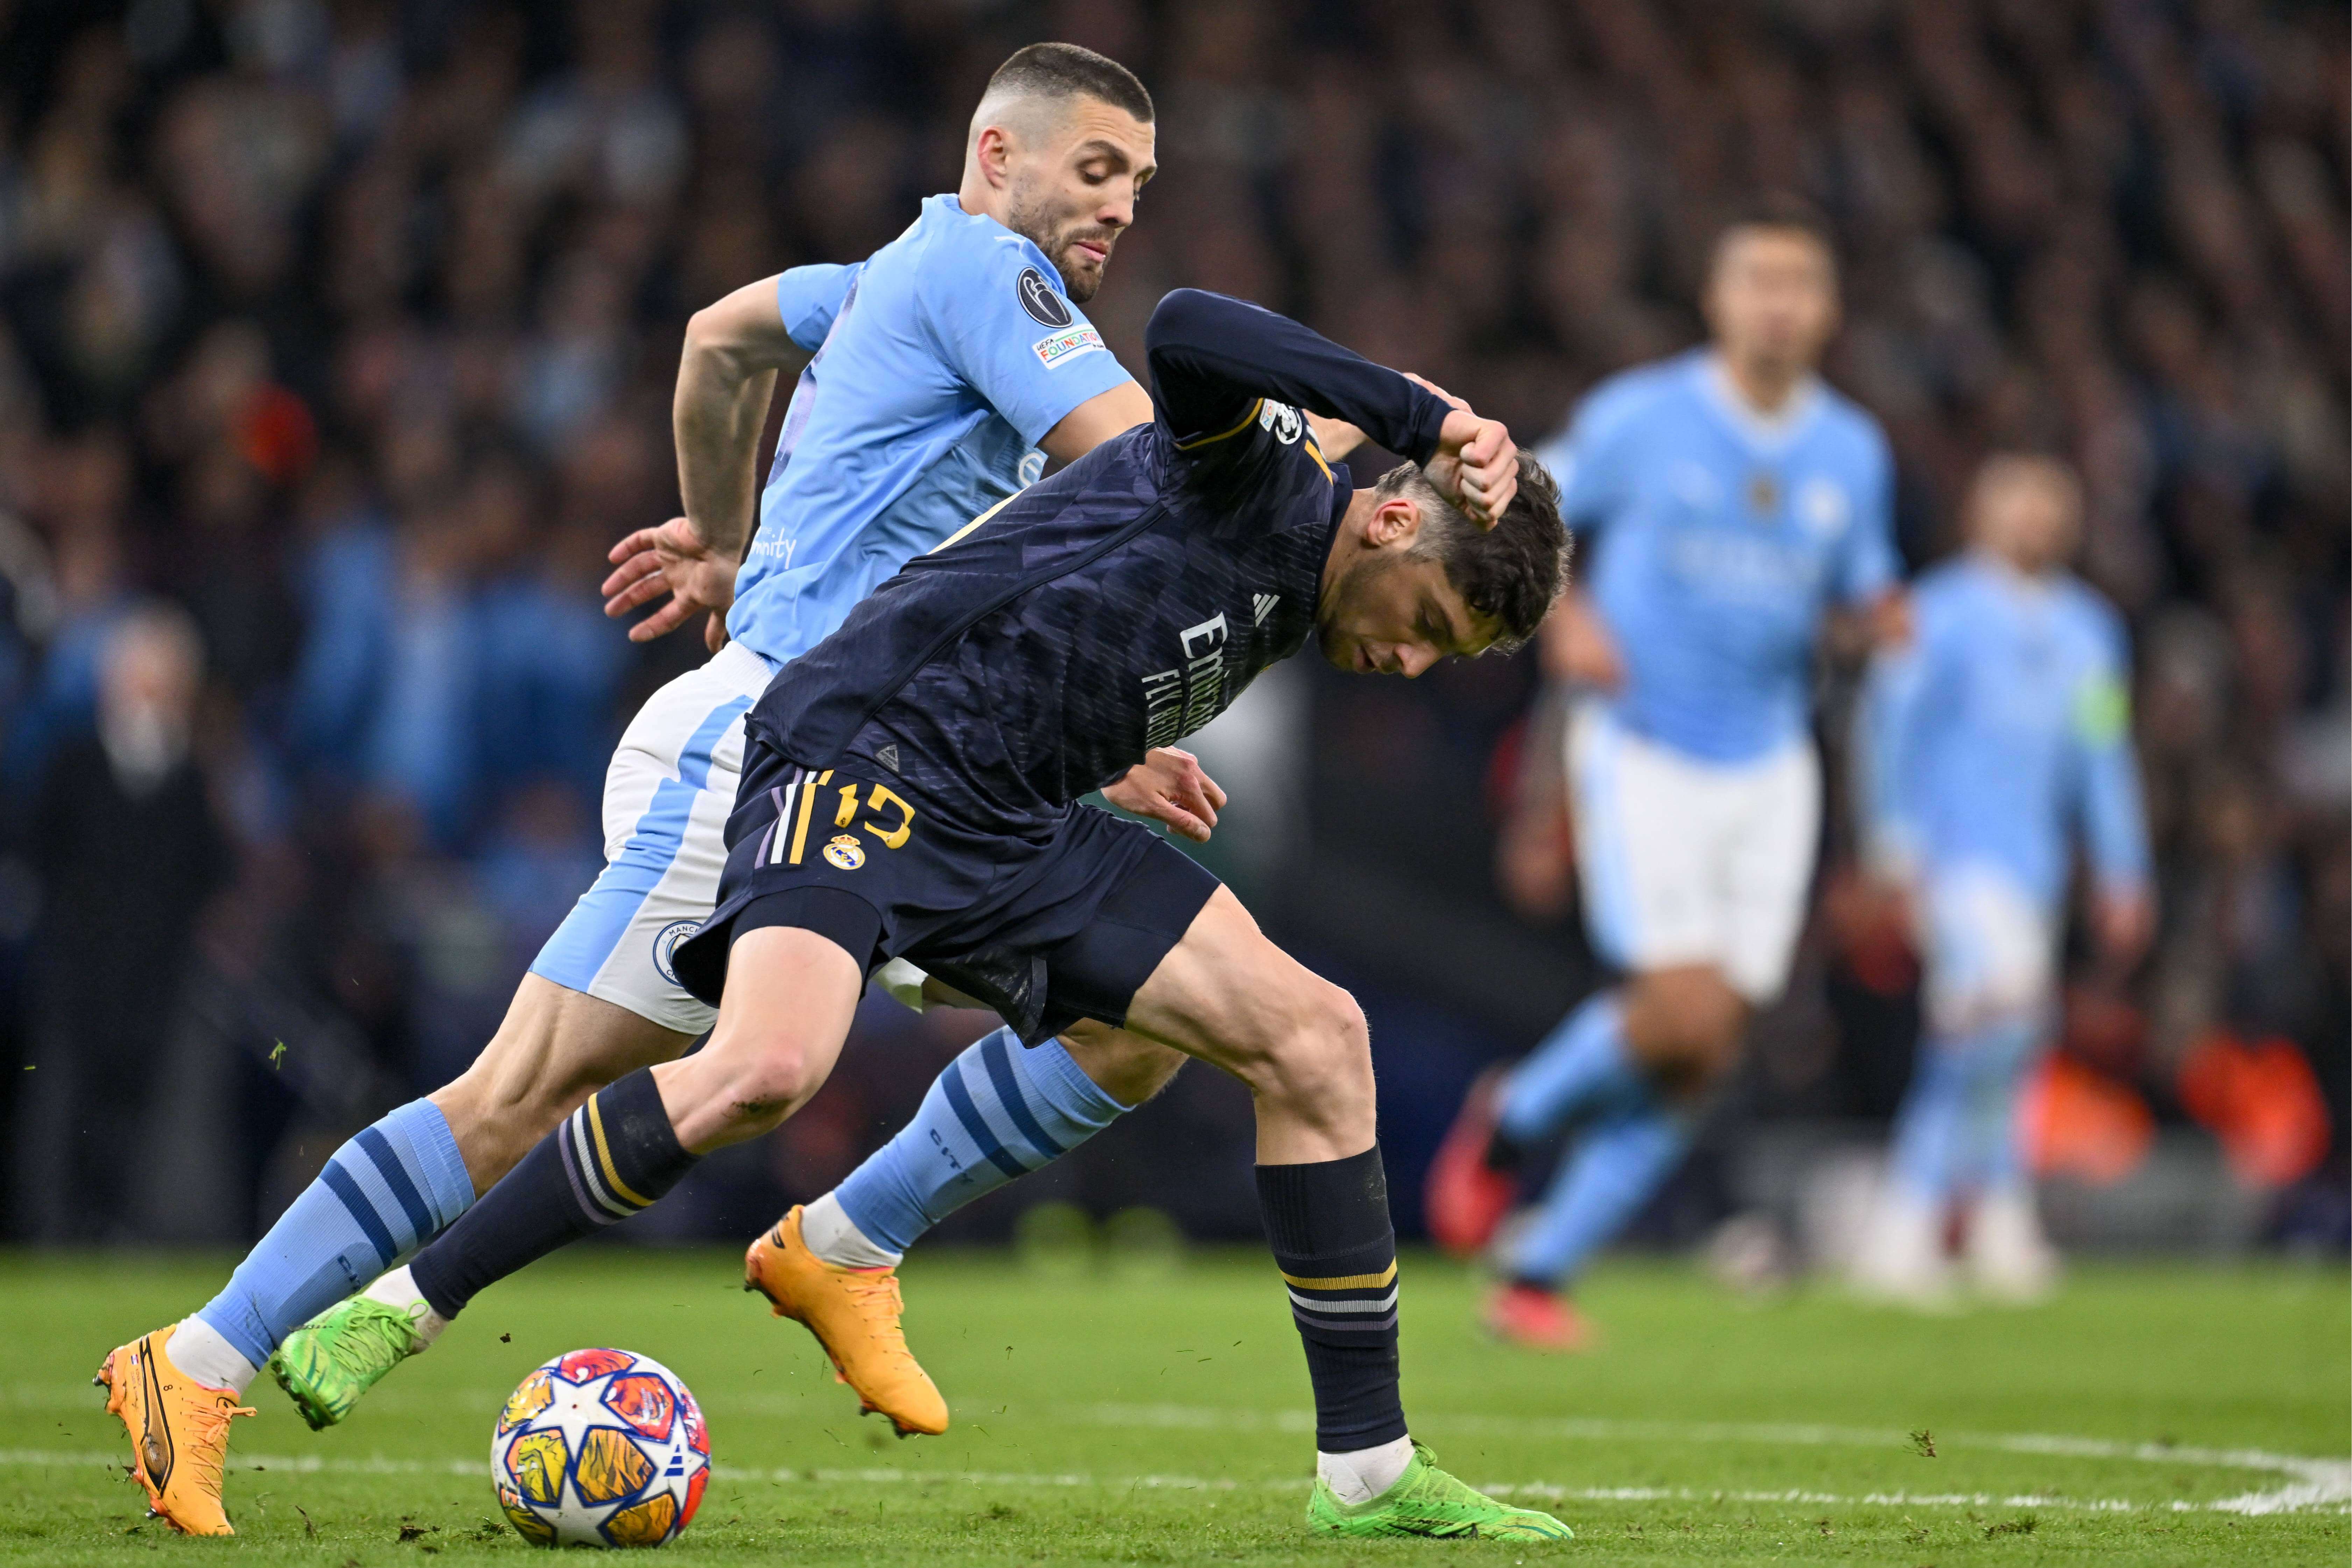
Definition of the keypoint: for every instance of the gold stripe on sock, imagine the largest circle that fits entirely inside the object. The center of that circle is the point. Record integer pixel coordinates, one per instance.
(604, 1158)
(1345, 1281)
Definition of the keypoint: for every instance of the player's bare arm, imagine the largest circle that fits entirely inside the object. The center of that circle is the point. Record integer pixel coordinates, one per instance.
(725, 378)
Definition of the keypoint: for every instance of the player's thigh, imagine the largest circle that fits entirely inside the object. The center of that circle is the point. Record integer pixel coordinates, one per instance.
(785, 1011)
(1643, 851)
(1769, 871)
(1229, 995)
(554, 1048)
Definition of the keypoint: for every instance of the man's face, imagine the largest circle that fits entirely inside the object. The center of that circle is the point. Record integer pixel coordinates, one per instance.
(1074, 184)
(2030, 517)
(1773, 297)
(1390, 612)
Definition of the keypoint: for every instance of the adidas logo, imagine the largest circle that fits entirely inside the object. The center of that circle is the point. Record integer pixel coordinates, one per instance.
(1261, 606)
(888, 757)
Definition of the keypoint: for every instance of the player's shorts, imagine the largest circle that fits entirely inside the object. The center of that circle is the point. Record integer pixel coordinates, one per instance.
(666, 799)
(1989, 947)
(1686, 861)
(1047, 931)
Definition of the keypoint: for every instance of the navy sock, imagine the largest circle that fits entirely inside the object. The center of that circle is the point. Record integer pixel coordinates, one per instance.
(1328, 1225)
(611, 1157)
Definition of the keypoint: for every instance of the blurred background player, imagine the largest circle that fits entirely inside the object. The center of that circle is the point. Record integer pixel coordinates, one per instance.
(2003, 728)
(1731, 502)
(943, 365)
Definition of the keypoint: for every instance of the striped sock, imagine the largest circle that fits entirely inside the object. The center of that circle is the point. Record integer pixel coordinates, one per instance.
(391, 1188)
(1328, 1225)
(996, 1113)
(611, 1157)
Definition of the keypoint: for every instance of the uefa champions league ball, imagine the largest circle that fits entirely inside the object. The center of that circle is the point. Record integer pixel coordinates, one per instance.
(600, 1447)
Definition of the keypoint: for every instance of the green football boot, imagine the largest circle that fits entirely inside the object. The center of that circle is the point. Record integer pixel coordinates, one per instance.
(1425, 1500)
(328, 1363)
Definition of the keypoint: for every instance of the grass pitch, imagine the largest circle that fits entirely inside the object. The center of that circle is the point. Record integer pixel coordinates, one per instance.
(2153, 1414)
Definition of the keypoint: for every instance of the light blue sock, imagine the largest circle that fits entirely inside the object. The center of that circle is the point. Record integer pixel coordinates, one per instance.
(395, 1186)
(1613, 1172)
(1582, 1065)
(1990, 1158)
(1924, 1157)
(998, 1112)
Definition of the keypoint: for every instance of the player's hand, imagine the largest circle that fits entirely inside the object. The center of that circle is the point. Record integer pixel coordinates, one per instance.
(1169, 786)
(672, 560)
(1477, 465)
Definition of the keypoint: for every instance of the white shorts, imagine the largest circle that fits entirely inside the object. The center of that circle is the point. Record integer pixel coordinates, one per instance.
(1685, 861)
(1989, 947)
(667, 797)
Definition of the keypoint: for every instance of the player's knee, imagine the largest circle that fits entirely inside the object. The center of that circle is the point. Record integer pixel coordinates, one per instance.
(1322, 1057)
(764, 1085)
(1687, 1024)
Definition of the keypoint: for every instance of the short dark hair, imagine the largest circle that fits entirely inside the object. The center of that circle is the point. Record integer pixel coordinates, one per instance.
(1780, 211)
(1066, 71)
(1510, 573)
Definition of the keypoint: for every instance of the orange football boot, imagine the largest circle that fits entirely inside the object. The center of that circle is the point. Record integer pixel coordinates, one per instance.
(1537, 1320)
(179, 1432)
(853, 1313)
(1466, 1198)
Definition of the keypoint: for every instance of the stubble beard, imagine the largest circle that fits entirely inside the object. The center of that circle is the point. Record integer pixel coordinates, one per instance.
(1036, 226)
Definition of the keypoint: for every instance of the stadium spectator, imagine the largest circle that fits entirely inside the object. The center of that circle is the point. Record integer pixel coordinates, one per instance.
(129, 851)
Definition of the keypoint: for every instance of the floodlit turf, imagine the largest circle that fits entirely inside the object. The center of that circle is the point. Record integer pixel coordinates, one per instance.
(2152, 1415)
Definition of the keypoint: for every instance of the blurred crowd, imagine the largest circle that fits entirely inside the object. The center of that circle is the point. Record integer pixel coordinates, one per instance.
(336, 347)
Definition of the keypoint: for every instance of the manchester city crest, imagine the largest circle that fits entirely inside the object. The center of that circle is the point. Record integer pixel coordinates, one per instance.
(666, 942)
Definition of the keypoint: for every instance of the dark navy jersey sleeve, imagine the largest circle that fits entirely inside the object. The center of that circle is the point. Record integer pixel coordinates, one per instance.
(1212, 358)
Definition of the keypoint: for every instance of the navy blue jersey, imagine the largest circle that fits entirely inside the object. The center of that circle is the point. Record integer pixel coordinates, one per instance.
(1120, 604)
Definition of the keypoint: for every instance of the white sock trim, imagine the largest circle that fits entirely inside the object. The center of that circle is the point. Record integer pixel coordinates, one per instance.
(1363, 1474)
(398, 1290)
(834, 1236)
(203, 1353)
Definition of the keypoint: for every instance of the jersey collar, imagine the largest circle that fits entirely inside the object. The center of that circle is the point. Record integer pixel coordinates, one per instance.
(1770, 435)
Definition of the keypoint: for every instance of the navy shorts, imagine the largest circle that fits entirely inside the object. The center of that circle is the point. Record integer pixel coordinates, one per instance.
(1047, 930)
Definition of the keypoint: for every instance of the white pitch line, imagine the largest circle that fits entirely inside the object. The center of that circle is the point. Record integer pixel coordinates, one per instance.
(2261, 1503)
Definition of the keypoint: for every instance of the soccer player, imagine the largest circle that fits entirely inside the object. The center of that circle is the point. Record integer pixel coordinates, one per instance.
(1734, 502)
(2002, 730)
(943, 363)
(908, 792)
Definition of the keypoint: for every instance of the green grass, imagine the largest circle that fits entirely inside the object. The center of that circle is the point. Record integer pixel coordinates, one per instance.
(1163, 1419)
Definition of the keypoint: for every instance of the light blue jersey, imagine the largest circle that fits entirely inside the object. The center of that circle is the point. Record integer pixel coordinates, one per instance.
(1717, 540)
(2003, 727)
(941, 360)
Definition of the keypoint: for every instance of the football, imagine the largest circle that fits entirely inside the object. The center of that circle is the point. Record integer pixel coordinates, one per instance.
(600, 1447)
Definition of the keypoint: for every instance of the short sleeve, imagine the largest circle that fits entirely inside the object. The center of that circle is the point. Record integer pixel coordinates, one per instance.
(1868, 566)
(1594, 459)
(1005, 326)
(810, 298)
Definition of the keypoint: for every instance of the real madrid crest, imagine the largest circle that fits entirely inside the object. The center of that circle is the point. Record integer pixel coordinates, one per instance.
(846, 852)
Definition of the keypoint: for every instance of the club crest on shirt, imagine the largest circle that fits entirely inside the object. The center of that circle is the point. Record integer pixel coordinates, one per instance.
(666, 942)
(846, 852)
(1041, 299)
(1763, 494)
(1822, 508)
(1282, 420)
